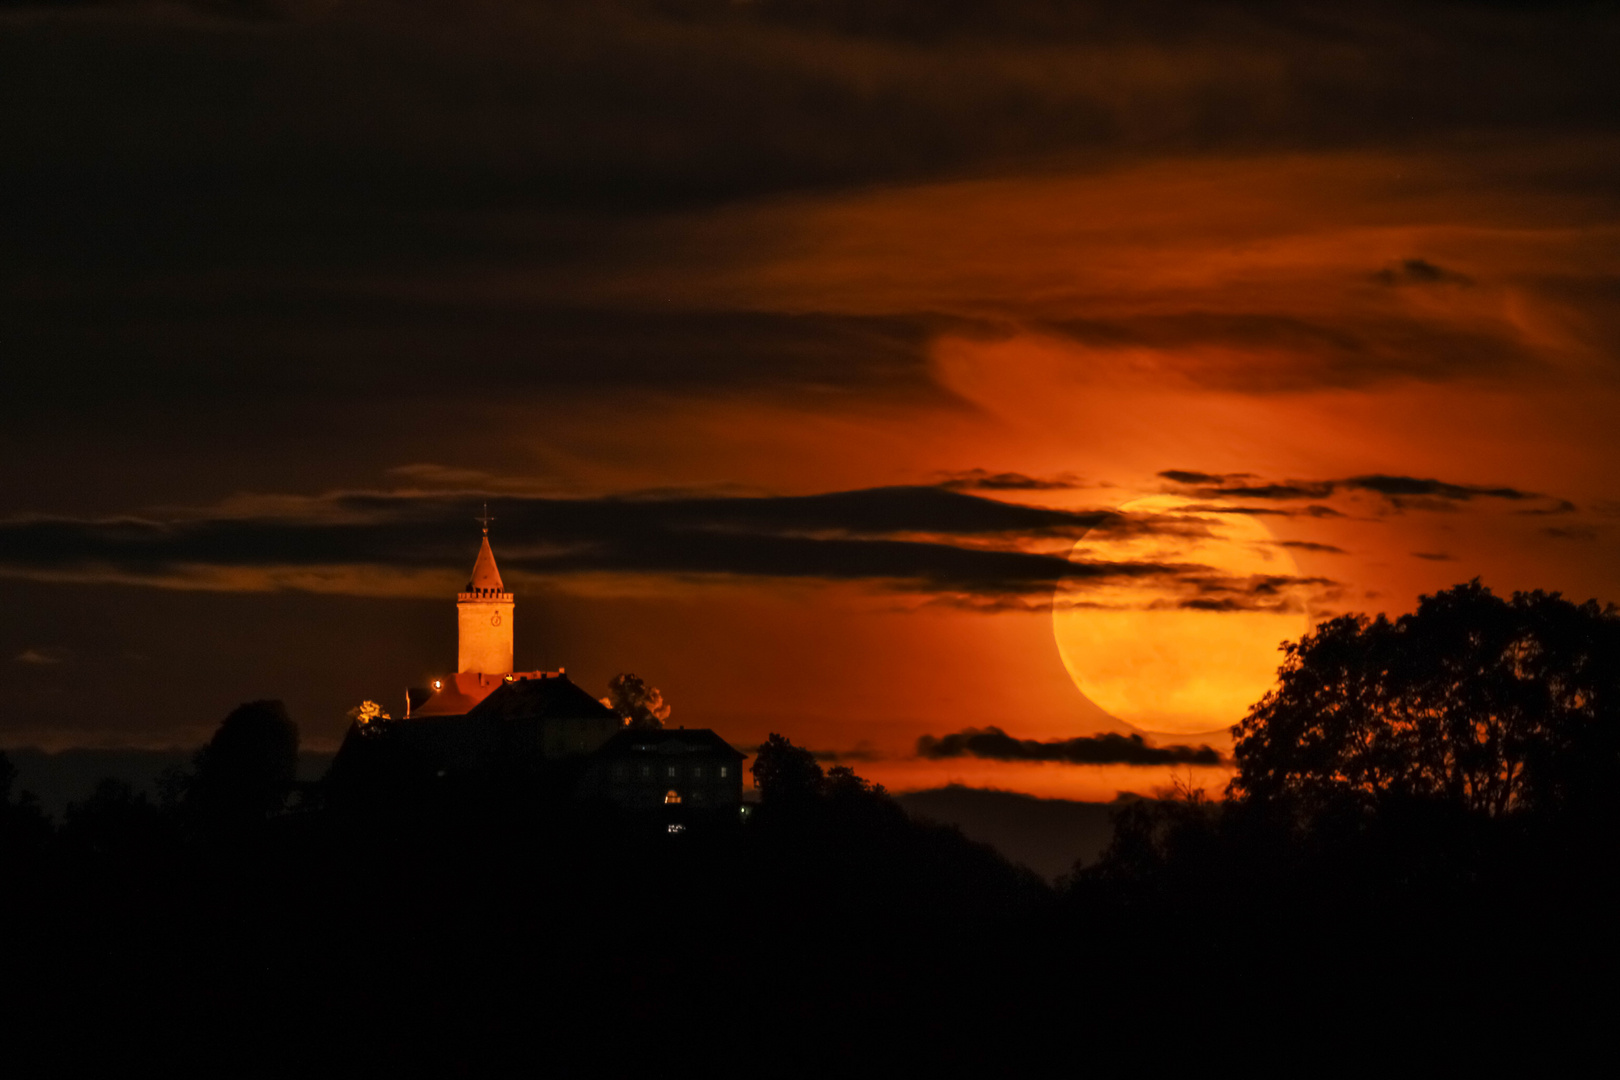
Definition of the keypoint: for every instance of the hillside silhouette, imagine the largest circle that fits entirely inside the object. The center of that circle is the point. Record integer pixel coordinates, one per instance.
(1418, 845)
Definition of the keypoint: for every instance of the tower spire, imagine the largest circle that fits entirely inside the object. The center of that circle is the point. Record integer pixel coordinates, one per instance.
(484, 614)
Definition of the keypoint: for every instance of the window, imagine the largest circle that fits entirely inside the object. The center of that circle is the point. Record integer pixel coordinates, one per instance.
(646, 771)
(697, 772)
(672, 770)
(672, 797)
(621, 772)
(723, 772)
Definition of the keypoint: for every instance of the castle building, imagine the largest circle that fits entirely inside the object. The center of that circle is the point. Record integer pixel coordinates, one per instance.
(646, 770)
(485, 718)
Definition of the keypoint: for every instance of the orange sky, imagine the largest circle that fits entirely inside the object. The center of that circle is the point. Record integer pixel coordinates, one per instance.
(588, 254)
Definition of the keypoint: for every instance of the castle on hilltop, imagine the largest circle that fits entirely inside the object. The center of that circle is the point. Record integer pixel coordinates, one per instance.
(486, 719)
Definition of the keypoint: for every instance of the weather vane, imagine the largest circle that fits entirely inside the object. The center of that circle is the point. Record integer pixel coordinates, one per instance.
(485, 518)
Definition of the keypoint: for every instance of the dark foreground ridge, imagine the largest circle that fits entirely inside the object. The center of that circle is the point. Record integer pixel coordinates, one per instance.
(1418, 851)
(1046, 835)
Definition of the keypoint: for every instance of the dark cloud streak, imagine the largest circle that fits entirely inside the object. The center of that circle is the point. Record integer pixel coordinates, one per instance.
(983, 480)
(922, 538)
(1106, 749)
(1395, 489)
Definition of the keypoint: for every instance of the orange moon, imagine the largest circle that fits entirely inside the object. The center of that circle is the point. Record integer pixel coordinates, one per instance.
(1135, 650)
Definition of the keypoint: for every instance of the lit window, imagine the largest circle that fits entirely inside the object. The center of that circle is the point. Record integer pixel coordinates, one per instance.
(676, 827)
(722, 772)
(672, 797)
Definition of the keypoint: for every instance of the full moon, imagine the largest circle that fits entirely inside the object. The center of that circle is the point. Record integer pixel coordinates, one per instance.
(1167, 662)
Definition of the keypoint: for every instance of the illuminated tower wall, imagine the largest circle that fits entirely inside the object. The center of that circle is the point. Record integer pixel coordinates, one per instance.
(484, 615)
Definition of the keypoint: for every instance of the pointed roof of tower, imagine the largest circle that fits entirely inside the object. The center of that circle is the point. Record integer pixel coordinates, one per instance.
(485, 575)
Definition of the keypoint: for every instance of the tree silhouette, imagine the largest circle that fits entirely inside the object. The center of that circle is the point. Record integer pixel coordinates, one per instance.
(8, 779)
(1497, 707)
(785, 773)
(115, 822)
(642, 705)
(23, 825)
(246, 771)
(842, 783)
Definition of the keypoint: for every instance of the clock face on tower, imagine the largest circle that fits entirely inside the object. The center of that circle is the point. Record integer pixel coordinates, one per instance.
(495, 619)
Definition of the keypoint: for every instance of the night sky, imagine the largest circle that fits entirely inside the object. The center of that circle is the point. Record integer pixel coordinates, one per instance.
(792, 345)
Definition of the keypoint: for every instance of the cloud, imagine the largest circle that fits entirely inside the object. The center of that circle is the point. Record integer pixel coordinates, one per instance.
(982, 480)
(1558, 507)
(916, 539)
(1189, 477)
(1256, 592)
(1311, 545)
(1108, 748)
(1313, 511)
(1295, 490)
(1398, 486)
(1249, 511)
(40, 657)
(1264, 350)
(1401, 491)
(397, 156)
(1419, 272)
(1434, 556)
(427, 474)
(620, 209)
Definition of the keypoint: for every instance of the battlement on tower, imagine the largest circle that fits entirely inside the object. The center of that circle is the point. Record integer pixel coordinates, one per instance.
(492, 596)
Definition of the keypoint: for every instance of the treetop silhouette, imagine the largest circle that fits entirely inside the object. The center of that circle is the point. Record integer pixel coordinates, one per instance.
(642, 706)
(1496, 707)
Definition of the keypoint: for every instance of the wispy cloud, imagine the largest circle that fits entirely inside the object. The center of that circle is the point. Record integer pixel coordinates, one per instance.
(40, 657)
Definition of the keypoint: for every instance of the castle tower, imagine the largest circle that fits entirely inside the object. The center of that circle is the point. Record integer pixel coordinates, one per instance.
(484, 613)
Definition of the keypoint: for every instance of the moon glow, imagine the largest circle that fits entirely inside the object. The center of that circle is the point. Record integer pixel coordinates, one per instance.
(1137, 649)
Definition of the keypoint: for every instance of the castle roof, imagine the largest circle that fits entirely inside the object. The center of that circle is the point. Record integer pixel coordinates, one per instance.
(521, 695)
(485, 577)
(664, 741)
(540, 695)
(455, 695)
(524, 717)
